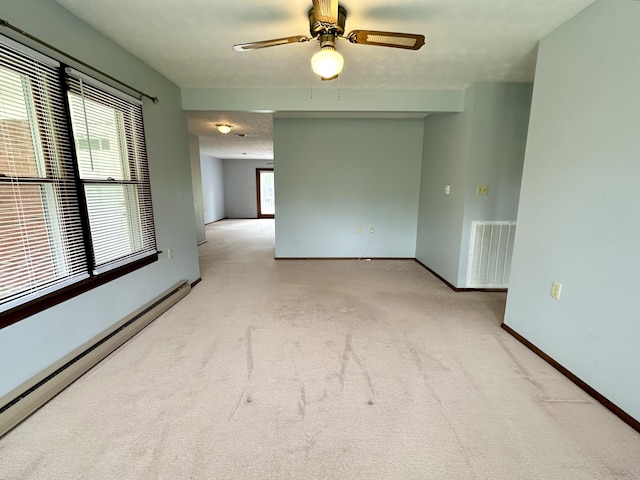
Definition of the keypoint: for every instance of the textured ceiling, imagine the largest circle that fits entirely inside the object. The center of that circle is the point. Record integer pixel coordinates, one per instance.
(251, 136)
(190, 41)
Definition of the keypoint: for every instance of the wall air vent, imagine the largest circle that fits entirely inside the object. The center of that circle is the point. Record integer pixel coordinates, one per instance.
(490, 254)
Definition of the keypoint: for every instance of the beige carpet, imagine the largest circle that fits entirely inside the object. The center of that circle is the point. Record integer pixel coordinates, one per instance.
(321, 370)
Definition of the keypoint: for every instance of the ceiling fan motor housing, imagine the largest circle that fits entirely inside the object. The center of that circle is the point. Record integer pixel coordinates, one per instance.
(316, 27)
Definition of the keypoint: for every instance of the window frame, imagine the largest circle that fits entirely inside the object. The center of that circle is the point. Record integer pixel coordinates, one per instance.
(93, 278)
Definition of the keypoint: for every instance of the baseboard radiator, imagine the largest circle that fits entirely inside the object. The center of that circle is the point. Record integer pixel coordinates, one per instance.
(490, 254)
(34, 393)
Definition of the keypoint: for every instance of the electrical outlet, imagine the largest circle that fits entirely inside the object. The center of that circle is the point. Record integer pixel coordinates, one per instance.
(482, 190)
(372, 229)
(358, 229)
(170, 253)
(447, 189)
(556, 288)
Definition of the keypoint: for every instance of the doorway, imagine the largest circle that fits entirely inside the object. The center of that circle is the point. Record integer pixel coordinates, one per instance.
(266, 192)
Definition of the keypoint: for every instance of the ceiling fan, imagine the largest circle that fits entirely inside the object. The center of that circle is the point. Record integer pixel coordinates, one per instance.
(326, 23)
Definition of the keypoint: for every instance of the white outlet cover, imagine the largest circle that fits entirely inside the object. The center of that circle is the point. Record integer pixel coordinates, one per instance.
(482, 189)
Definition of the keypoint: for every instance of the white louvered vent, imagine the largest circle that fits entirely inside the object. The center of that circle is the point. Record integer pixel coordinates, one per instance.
(490, 254)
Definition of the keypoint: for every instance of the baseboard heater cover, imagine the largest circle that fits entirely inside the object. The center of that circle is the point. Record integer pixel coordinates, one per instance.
(18, 404)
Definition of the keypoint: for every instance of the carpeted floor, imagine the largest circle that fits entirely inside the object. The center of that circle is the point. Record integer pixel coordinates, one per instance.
(321, 369)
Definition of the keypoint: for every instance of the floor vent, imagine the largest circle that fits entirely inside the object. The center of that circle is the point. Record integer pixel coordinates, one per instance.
(490, 254)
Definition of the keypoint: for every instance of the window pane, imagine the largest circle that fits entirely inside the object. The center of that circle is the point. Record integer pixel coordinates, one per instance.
(267, 194)
(114, 220)
(34, 249)
(26, 255)
(17, 152)
(98, 131)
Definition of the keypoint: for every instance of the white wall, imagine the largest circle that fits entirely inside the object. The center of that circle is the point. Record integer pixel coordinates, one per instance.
(334, 175)
(578, 219)
(196, 180)
(240, 195)
(29, 346)
(483, 145)
(212, 188)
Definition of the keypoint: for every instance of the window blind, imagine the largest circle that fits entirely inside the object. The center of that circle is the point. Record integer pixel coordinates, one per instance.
(75, 194)
(41, 238)
(108, 133)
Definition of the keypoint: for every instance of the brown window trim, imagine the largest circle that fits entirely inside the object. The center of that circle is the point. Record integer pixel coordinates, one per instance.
(40, 304)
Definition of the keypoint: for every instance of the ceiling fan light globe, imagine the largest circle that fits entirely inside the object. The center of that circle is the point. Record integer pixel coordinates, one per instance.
(327, 62)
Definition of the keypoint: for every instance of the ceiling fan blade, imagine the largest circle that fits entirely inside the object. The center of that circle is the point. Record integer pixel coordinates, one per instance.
(245, 47)
(409, 41)
(326, 10)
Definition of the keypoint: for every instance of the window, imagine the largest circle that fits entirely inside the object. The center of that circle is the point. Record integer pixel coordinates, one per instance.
(266, 193)
(112, 163)
(75, 201)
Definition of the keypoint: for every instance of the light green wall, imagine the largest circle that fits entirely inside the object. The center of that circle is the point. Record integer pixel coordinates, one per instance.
(334, 175)
(447, 142)
(240, 195)
(33, 344)
(501, 118)
(213, 191)
(482, 145)
(330, 99)
(196, 180)
(578, 219)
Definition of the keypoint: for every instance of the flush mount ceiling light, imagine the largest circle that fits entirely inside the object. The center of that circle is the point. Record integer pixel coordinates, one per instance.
(326, 24)
(224, 128)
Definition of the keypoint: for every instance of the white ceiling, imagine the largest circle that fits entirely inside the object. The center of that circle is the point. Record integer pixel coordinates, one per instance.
(190, 42)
